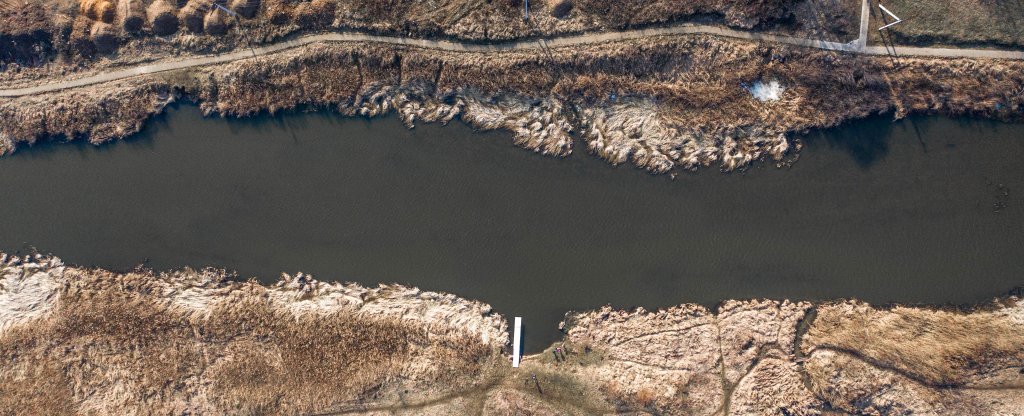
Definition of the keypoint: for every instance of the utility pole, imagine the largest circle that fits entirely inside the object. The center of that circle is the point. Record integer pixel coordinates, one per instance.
(526, 9)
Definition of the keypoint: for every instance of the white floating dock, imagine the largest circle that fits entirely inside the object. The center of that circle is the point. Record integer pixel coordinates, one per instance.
(517, 336)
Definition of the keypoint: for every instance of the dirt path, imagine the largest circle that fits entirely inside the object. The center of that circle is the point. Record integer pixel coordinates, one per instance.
(857, 46)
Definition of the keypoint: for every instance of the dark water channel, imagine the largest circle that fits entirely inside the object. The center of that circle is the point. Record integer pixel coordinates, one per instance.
(924, 210)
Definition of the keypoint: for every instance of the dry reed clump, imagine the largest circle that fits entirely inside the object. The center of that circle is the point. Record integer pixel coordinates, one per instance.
(162, 18)
(131, 15)
(26, 33)
(245, 8)
(215, 22)
(191, 15)
(99, 10)
(559, 8)
(935, 347)
(104, 36)
(80, 39)
(278, 12)
(315, 13)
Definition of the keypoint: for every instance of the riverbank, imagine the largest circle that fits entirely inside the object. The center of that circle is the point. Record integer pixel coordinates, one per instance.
(924, 210)
(662, 104)
(194, 341)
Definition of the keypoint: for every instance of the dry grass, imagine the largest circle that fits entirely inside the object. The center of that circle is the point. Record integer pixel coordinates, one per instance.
(267, 20)
(113, 344)
(937, 347)
(193, 343)
(623, 13)
(956, 22)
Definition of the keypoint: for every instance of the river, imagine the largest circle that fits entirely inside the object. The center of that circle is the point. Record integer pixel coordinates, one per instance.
(921, 210)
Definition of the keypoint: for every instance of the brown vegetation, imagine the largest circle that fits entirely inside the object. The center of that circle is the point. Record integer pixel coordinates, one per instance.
(104, 36)
(76, 340)
(194, 342)
(216, 22)
(245, 8)
(192, 15)
(661, 104)
(315, 13)
(132, 15)
(918, 343)
(624, 13)
(162, 18)
(560, 8)
(25, 35)
(465, 19)
(100, 10)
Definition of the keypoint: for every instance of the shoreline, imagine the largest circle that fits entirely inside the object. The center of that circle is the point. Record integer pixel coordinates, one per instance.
(638, 359)
(695, 110)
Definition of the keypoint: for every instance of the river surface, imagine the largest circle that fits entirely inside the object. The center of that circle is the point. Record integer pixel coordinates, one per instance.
(922, 210)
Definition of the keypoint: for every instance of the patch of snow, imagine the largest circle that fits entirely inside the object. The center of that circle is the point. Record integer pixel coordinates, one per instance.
(763, 92)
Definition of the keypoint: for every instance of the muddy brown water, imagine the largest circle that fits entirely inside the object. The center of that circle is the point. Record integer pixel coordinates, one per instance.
(922, 210)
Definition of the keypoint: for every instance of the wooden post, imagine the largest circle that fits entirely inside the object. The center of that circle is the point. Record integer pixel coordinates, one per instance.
(517, 339)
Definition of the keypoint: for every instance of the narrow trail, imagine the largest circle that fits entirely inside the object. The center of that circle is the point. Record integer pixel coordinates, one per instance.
(858, 46)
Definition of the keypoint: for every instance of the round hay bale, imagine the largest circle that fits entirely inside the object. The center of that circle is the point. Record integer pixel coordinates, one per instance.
(131, 15)
(104, 36)
(162, 18)
(191, 16)
(245, 8)
(559, 8)
(216, 22)
(99, 10)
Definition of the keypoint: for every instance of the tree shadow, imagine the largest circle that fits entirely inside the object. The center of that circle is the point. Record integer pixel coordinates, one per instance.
(866, 141)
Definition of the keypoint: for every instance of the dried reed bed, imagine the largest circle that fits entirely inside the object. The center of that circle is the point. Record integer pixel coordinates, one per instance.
(76, 340)
(625, 13)
(936, 347)
(660, 103)
(193, 342)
